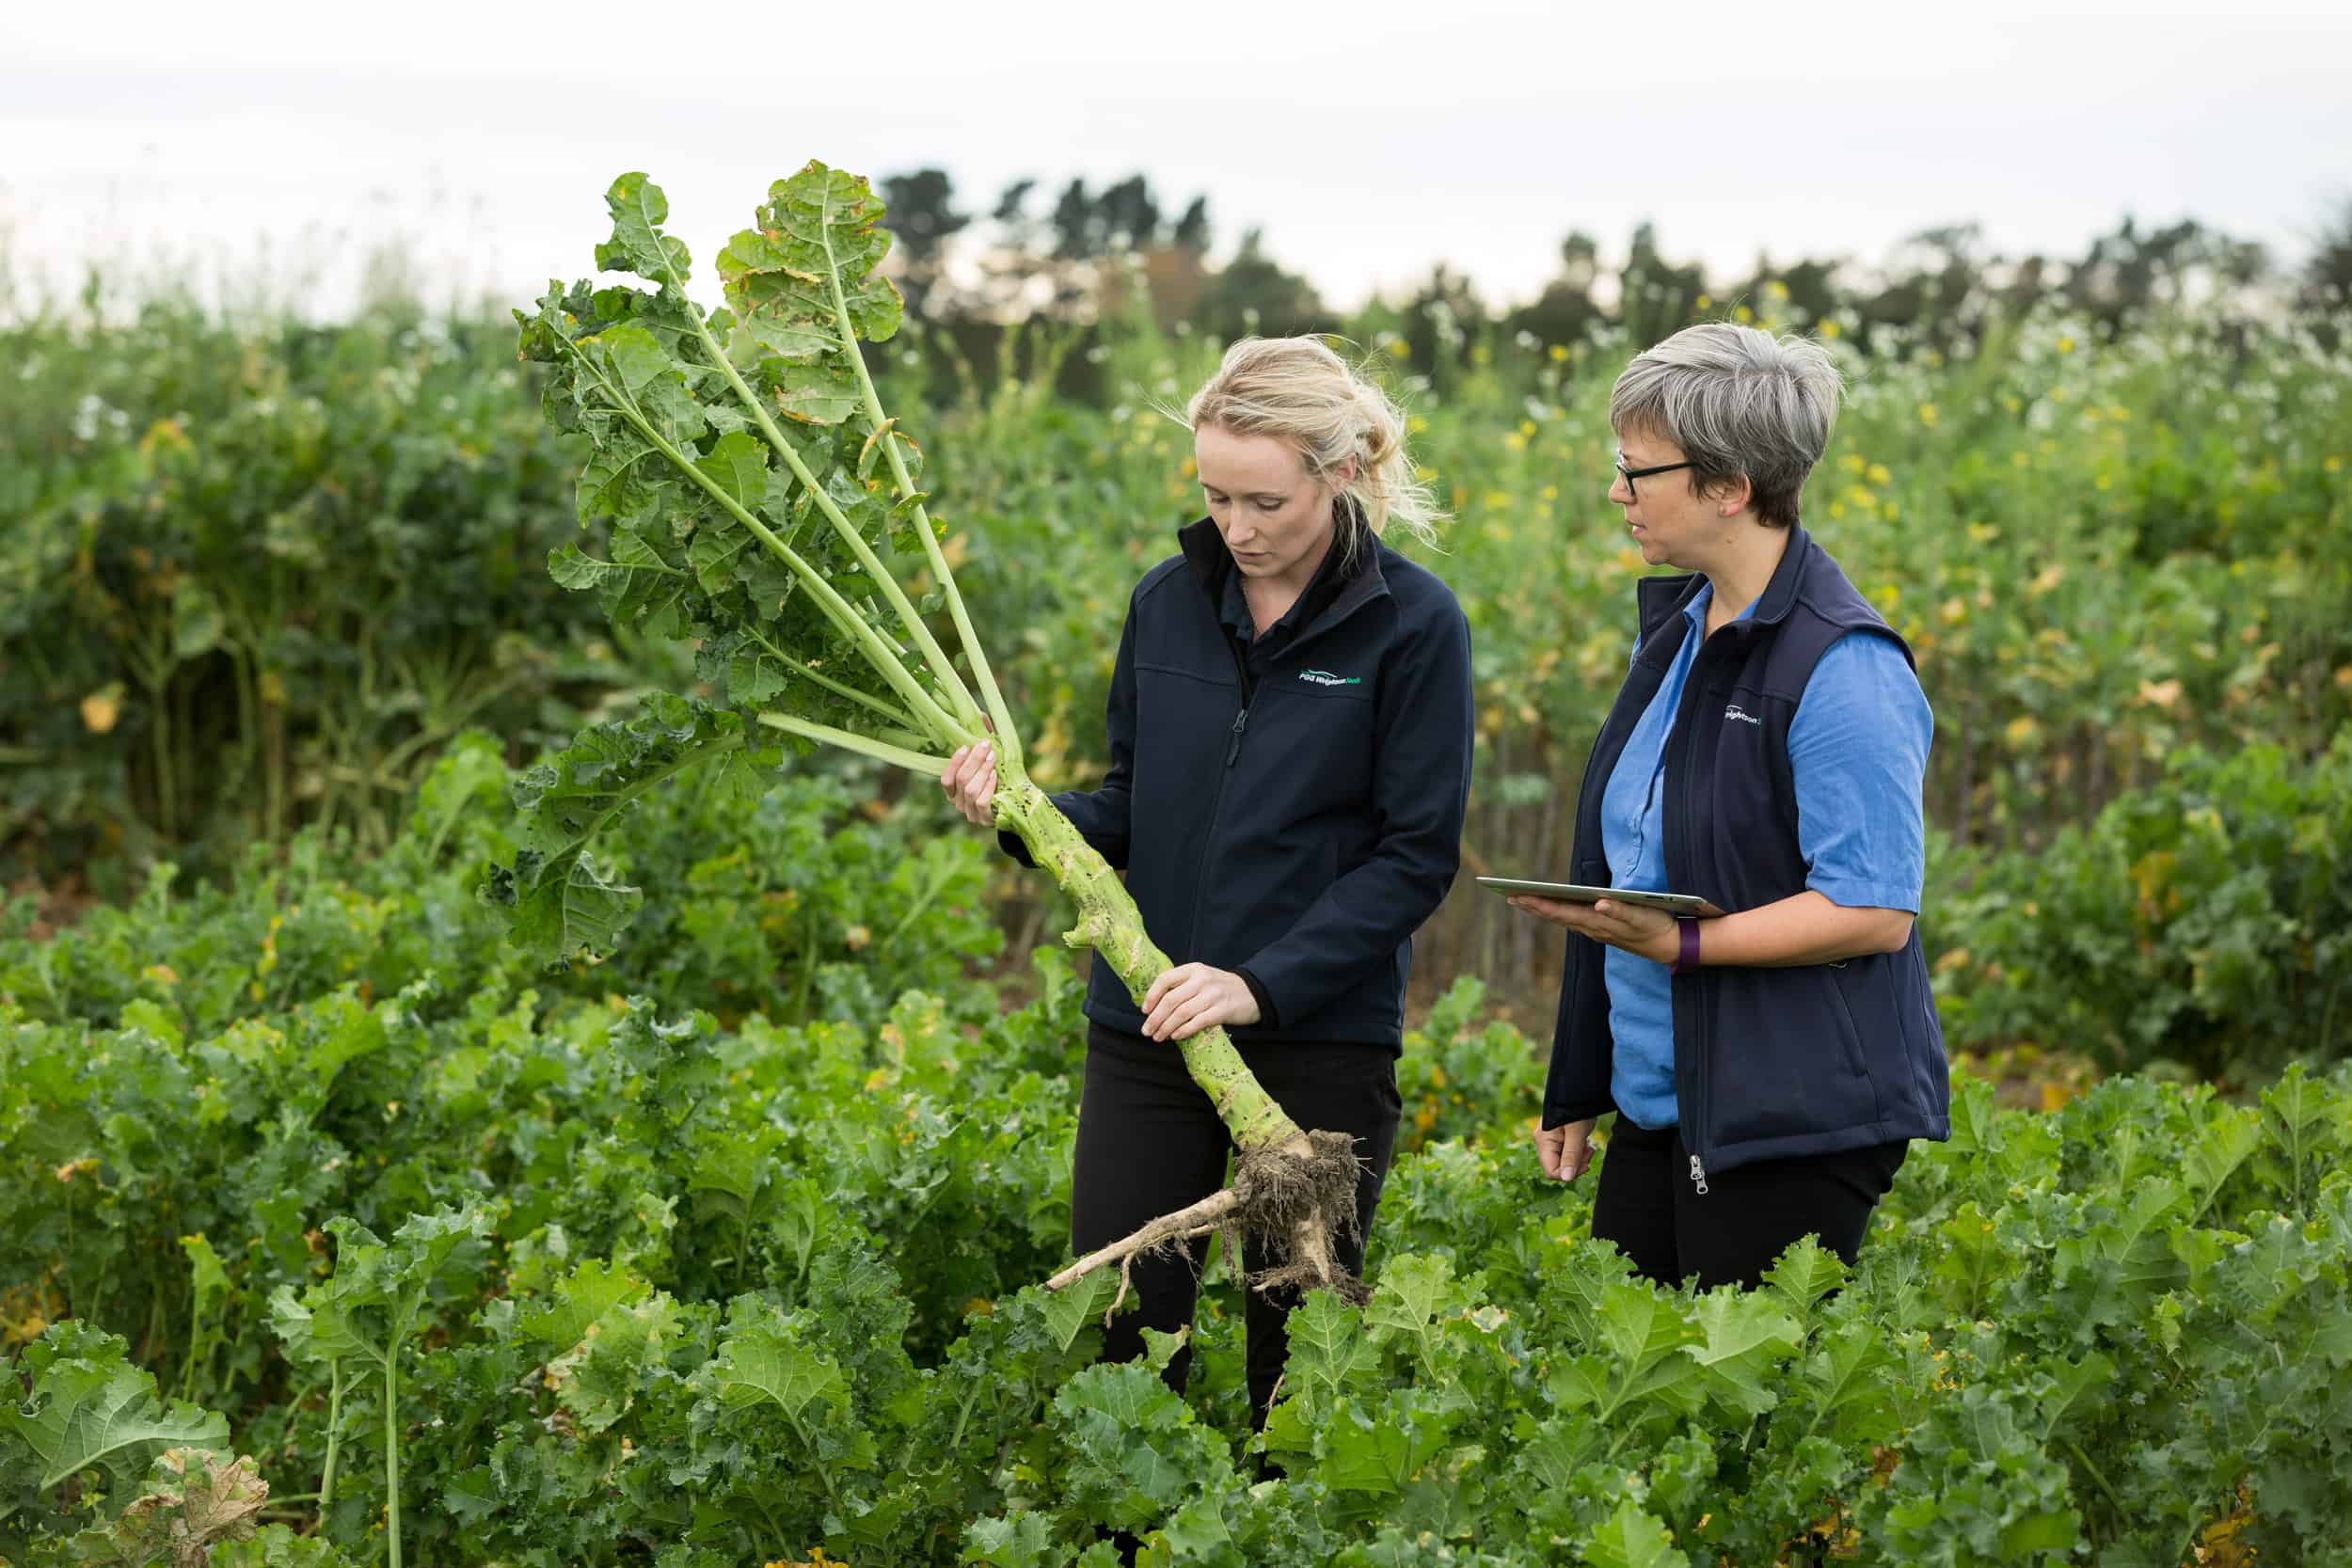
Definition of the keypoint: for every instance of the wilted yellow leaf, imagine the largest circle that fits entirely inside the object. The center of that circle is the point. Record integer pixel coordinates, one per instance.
(2160, 693)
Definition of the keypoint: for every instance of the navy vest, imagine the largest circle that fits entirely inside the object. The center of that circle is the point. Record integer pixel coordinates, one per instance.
(1768, 1063)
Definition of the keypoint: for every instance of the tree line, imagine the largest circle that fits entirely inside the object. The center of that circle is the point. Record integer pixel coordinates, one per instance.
(1084, 253)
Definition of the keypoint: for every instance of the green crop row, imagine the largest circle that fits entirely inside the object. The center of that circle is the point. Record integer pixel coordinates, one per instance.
(534, 1280)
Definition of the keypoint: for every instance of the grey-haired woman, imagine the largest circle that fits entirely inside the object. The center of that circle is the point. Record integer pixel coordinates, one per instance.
(1767, 750)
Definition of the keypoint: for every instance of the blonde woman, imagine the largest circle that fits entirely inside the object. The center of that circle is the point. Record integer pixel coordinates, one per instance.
(1290, 741)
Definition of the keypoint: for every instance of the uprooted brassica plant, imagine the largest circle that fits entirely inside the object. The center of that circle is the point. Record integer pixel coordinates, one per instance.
(761, 505)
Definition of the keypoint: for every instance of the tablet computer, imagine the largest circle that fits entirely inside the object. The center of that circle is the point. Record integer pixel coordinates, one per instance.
(1571, 892)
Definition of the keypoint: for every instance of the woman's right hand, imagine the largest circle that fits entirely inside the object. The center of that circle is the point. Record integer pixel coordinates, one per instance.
(970, 781)
(1566, 1150)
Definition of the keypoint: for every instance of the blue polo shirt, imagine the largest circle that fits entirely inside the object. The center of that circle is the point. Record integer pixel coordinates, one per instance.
(1858, 754)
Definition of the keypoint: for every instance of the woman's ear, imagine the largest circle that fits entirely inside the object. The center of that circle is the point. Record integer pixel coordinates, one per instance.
(1733, 495)
(1341, 477)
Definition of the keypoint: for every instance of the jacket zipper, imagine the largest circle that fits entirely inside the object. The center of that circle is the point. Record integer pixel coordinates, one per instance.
(1241, 724)
(1217, 808)
(1698, 1071)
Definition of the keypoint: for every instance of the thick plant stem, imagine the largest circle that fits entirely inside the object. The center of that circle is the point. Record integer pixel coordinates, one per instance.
(391, 1445)
(881, 751)
(943, 668)
(1009, 740)
(1109, 923)
(334, 1437)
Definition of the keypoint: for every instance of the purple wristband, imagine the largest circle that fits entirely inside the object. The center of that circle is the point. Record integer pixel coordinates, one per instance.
(1687, 961)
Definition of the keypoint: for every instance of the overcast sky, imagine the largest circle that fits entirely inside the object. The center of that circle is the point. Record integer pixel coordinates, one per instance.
(283, 141)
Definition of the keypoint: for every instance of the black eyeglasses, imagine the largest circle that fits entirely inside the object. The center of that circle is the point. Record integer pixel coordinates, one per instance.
(1632, 474)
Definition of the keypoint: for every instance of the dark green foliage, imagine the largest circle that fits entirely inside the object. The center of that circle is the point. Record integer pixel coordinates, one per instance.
(2200, 926)
(660, 1290)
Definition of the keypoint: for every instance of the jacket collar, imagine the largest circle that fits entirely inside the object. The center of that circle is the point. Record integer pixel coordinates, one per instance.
(1659, 599)
(1360, 581)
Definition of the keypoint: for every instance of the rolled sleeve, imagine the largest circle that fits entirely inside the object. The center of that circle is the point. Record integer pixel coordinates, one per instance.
(1858, 754)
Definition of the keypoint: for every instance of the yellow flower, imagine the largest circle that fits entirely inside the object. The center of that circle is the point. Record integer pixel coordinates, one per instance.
(2066, 345)
(1559, 353)
(102, 708)
(1878, 474)
(1829, 328)
(1928, 415)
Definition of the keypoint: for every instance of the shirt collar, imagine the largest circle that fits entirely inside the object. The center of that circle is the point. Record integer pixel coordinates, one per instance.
(1696, 612)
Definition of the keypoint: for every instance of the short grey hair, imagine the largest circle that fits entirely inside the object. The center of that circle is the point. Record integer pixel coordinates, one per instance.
(1741, 403)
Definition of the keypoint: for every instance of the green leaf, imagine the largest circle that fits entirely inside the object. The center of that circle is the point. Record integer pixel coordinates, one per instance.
(604, 1373)
(1021, 1539)
(208, 1280)
(626, 478)
(727, 1172)
(818, 225)
(1845, 1382)
(1743, 1340)
(824, 393)
(1329, 1352)
(639, 210)
(1382, 1450)
(739, 466)
(557, 911)
(1414, 1290)
(766, 1363)
(1632, 1539)
(1806, 1274)
(556, 900)
(592, 1290)
(1066, 1312)
(320, 1333)
(90, 1408)
(2226, 1141)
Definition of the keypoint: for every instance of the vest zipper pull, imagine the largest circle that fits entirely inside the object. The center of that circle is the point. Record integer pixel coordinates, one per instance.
(1232, 753)
(1698, 1176)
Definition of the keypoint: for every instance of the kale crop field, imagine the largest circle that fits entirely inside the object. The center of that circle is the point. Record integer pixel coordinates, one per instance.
(482, 1084)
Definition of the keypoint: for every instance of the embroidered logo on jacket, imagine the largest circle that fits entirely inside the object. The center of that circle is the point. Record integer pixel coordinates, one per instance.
(1736, 711)
(1325, 677)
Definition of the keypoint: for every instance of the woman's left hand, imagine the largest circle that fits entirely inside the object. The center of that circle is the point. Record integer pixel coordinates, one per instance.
(1192, 997)
(1636, 929)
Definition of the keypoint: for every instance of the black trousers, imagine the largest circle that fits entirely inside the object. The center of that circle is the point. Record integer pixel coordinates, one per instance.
(1739, 1228)
(1150, 1143)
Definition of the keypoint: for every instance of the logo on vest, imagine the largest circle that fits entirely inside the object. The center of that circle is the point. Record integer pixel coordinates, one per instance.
(1736, 711)
(1325, 677)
